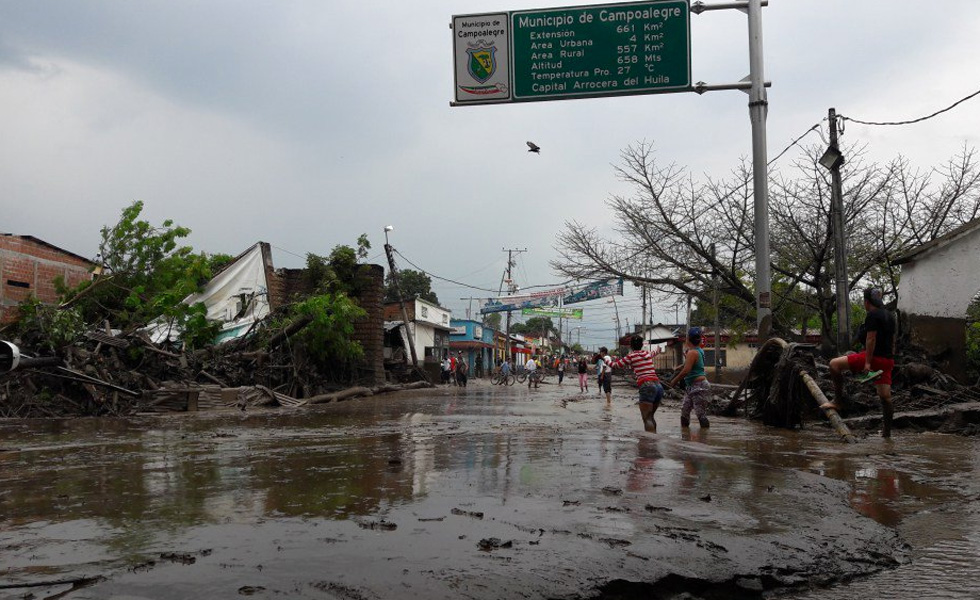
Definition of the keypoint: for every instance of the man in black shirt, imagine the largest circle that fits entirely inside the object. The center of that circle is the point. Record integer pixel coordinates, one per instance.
(878, 355)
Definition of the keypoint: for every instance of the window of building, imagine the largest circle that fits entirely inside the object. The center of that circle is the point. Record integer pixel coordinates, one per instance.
(18, 284)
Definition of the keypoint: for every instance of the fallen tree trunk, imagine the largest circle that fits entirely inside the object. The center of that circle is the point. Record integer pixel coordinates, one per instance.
(773, 381)
(294, 328)
(358, 392)
(832, 415)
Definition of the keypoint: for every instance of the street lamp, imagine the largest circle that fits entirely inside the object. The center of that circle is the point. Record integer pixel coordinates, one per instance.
(831, 159)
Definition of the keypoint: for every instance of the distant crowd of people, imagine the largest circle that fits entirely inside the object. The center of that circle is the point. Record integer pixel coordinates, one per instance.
(875, 363)
(690, 373)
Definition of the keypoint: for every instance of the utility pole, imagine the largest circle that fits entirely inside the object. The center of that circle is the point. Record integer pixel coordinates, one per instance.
(758, 111)
(618, 332)
(394, 279)
(469, 309)
(511, 288)
(643, 311)
(714, 284)
(840, 241)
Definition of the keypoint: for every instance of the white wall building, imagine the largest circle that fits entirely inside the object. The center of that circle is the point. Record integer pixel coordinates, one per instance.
(939, 281)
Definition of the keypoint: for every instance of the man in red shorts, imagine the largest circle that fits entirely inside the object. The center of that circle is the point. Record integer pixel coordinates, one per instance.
(878, 355)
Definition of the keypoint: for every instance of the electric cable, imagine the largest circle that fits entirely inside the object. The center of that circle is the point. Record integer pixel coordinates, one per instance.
(473, 287)
(920, 119)
(795, 142)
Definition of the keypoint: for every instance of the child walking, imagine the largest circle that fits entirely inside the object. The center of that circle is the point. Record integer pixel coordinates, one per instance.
(651, 392)
(697, 388)
(583, 377)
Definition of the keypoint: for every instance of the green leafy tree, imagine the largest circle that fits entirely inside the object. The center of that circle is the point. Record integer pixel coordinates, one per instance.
(493, 320)
(973, 337)
(147, 273)
(328, 337)
(363, 245)
(533, 326)
(413, 284)
(48, 328)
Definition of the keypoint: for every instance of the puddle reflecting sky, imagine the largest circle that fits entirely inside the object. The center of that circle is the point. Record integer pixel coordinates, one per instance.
(293, 488)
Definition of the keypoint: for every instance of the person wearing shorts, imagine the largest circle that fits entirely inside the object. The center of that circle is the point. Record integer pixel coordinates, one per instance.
(604, 373)
(583, 375)
(651, 391)
(878, 355)
(697, 391)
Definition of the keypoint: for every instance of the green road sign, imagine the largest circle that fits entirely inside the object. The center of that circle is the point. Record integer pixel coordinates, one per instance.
(612, 49)
(565, 313)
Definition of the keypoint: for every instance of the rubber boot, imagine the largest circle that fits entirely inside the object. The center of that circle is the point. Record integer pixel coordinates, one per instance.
(887, 412)
(704, 422)
(685, 422)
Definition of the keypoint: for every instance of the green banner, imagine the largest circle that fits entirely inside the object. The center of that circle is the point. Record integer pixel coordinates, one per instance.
(564, 313)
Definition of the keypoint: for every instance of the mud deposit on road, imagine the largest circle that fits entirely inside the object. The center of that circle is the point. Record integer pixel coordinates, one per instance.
(483, 493)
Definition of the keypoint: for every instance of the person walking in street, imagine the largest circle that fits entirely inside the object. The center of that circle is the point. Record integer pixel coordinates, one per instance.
(447, 368)
(560, 365)
(697, 390)
(462, 371)
(583, 375)
(647, 381)
(878, 355)
(531, 366)
(604, 373)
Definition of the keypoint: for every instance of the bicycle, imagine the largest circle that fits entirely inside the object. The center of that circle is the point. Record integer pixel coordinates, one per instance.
(499, 378)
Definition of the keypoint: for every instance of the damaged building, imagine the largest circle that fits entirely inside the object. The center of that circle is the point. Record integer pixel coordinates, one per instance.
(939, 282)
(30, 267)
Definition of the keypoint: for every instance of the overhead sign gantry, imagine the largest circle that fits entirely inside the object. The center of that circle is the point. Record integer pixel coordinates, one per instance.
(573, 52)
(612, 50)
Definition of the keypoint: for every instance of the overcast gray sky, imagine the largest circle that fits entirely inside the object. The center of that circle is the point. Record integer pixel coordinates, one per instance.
(307, 123)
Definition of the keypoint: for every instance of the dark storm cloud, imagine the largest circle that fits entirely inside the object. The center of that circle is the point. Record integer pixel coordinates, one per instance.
(300, 70)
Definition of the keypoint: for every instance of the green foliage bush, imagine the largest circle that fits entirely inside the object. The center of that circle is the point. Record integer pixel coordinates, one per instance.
(973, 337)
(46, 328)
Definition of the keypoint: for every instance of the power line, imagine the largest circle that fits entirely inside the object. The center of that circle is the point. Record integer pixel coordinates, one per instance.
(421, 270)
(473, 287)
(920, 119)
(816, 127)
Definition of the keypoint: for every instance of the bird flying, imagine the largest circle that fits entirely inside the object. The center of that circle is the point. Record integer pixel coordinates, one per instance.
(533, 148)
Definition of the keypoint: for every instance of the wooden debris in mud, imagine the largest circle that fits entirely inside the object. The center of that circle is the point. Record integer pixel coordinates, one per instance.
(106, 374)
(784, 378)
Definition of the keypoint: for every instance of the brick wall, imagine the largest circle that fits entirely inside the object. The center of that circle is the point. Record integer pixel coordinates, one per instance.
(29, 267)
(369, 331)
(288, 285)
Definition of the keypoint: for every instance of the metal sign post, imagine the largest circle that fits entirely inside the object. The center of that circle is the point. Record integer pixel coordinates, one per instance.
(758, 111)
(612, 50)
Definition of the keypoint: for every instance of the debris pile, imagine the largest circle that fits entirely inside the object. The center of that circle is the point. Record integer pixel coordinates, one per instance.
(775, 391)
(116, 374)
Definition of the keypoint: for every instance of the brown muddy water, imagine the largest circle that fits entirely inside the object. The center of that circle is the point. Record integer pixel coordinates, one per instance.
(481, 493)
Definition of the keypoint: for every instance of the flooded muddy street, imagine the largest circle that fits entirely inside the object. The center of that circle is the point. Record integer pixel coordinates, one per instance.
(487, 492)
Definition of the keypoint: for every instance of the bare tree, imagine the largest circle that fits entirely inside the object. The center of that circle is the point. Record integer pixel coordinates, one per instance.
(666, 229)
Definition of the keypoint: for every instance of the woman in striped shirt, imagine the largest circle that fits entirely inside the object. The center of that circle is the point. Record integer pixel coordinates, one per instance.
(651, 392)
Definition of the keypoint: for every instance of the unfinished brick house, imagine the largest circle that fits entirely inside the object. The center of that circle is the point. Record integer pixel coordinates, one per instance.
(29, 267)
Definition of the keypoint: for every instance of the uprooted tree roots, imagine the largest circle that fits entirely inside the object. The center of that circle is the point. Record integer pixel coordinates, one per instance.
(777, 392)
(786, 384)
